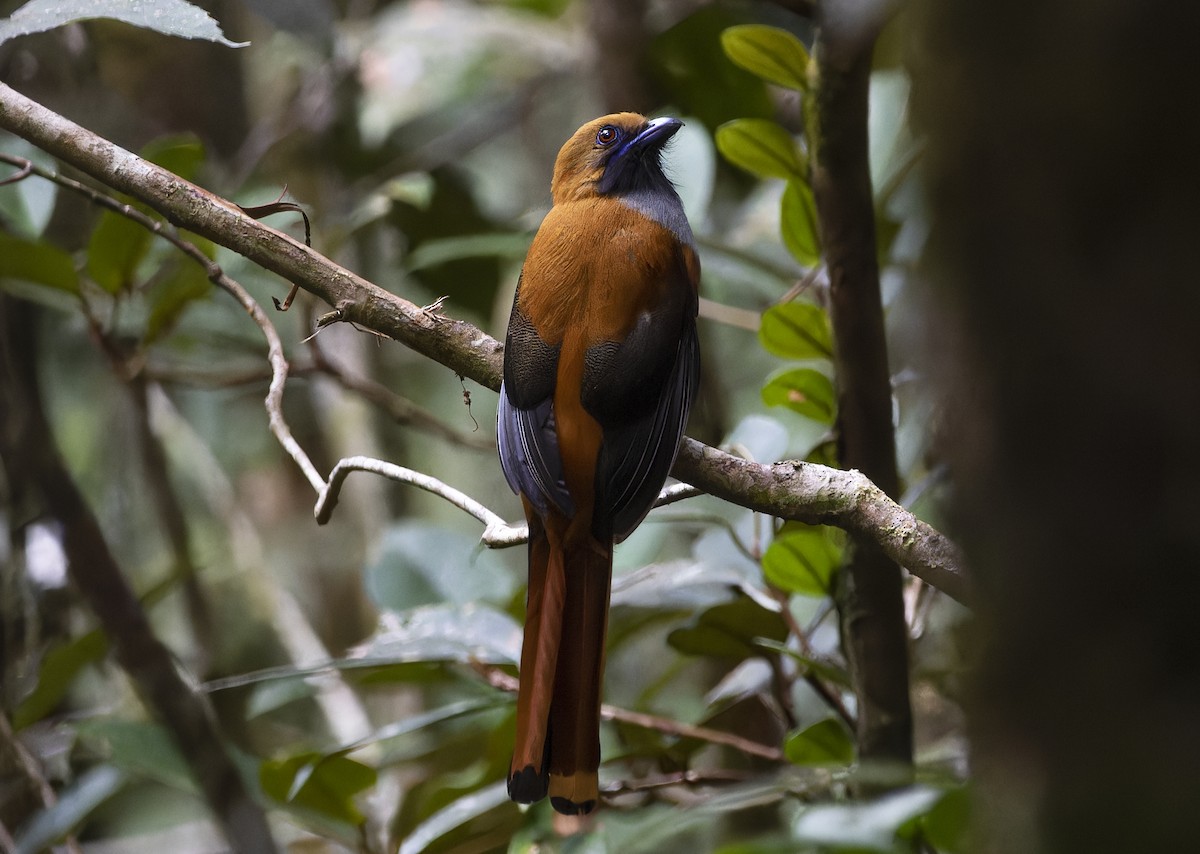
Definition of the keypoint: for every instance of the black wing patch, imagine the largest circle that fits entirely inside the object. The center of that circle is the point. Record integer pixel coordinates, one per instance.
(525, 431)
(641, 390)
(529, 454)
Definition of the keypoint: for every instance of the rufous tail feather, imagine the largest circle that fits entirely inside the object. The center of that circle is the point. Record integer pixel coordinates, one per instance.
(527, 778)
(574, 730)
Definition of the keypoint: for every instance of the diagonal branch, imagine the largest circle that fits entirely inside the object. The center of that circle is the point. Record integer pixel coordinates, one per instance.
(787, 490)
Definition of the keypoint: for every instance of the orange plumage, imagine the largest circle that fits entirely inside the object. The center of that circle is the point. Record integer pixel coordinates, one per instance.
(601, 365)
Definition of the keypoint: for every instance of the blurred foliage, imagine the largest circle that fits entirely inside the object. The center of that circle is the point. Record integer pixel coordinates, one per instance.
(359, 667)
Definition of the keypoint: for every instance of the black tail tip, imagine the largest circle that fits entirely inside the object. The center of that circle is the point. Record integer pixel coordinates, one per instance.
(527, 786)
(569, 807)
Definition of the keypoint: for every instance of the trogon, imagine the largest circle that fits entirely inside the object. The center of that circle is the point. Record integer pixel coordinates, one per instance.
(601, 364)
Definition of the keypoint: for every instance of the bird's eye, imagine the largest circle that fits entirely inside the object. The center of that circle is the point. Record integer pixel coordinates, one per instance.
(606, 136)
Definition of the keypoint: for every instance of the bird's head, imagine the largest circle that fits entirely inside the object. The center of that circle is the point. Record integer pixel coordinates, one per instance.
(613, 155)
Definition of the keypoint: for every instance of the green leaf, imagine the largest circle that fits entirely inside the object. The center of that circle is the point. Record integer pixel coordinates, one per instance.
(761, 147)
(803, 561)
(142, 747)
(802, 390)
(171, 17)
(421, 564)
(773, 54)
(729, 630)
(117, 246)
(946, 825)
(415, 723)
(179, 153)
(824, 743)
(434, 252)
(463, 633)
(824, 454)
(37, 262)
(798, 222)
(869, 826)
(796, 330)
(454, 815)
(58, 670)
(324, 784)
(171, 297)
(701, 82)
(826, 670)
(74, 804)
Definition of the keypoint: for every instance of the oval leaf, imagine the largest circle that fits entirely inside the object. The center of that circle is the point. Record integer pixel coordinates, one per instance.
(773, 54)
(798, 223)
(796, 330)
(172, 17)
(761, 147)
(179, 153)
(57, 673)
(802, 390)
(116, 247)
(170, 297)
(869, 826)
(947, 825)
(37, 262)
(729, 630)
(74, 804)
(324, 784)
(444, 632)
(824, 743)
(802, 561)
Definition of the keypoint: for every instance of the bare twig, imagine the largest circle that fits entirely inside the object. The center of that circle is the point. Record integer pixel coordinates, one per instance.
(399, 409)
(499, 679)
(830, 695)
(497, 532)
(31, 770)
(682, 778)
(173, 519)
(275, 355)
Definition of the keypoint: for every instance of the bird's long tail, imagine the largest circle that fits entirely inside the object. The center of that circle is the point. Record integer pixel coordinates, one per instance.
(562, 672)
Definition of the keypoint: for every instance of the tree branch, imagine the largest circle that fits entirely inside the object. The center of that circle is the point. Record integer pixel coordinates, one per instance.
(788, 490)
(820, 495)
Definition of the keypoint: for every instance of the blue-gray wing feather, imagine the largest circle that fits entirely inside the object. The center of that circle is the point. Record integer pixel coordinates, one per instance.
(529, 453)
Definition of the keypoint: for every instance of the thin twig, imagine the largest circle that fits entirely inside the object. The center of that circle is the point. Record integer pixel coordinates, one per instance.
(499, 679)
(497, 533)
(399, 409)
(275, 356)
(31, 770)
(681, 778)
(829, 694)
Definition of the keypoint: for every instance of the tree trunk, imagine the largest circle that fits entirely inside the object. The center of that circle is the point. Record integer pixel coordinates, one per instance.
(1062, 179)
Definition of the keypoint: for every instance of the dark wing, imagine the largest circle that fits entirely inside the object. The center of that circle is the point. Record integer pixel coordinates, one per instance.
(525, 433)
(641, 391)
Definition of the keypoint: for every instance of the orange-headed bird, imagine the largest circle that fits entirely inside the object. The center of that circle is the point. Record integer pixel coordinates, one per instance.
(600, 367)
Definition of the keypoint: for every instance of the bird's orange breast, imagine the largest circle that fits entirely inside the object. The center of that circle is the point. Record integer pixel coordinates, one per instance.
(594, 268)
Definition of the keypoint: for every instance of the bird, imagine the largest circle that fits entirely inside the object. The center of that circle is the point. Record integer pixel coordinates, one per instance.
(601, 365)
